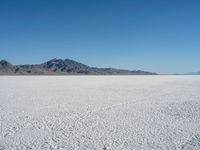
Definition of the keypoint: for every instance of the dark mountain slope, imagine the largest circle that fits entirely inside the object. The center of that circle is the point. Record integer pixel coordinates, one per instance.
(6, 67)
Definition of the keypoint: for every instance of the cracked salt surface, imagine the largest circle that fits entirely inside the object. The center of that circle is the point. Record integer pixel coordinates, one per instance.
(100, 112)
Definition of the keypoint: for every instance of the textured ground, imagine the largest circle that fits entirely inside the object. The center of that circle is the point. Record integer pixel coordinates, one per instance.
(100, 112)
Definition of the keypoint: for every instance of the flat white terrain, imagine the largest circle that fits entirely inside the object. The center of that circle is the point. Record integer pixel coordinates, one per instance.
(100, 112)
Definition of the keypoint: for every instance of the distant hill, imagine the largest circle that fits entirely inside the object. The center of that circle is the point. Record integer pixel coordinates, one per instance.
(63, 67)
(193, 73)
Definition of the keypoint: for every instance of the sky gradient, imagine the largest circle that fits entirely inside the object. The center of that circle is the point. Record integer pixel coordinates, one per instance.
(157, 35)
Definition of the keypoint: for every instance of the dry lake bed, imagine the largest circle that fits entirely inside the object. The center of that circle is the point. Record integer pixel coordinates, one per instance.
(100, 112)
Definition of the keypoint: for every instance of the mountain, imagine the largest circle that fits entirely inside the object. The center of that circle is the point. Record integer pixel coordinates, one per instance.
(63, 67)
(6, 67)
(193, 73)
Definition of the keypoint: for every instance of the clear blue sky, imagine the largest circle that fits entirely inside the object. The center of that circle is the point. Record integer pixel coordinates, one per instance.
(154, 35)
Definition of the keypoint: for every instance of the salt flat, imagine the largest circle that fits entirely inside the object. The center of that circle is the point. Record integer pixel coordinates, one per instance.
(100, 112)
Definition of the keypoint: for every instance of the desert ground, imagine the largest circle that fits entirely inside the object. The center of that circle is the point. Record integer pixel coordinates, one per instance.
(100, 112)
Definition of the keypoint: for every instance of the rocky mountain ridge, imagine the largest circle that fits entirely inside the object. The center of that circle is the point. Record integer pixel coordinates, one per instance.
(63, 67)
